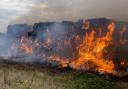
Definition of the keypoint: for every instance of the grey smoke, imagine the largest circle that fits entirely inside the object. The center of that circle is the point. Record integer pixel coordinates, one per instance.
(54, 10)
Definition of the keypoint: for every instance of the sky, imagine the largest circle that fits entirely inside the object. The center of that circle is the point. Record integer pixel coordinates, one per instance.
(32, 11)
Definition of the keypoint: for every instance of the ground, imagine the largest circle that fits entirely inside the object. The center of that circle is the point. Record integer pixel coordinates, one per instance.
(15, 76)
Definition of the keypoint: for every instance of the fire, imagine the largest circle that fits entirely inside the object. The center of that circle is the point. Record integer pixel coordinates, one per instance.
(63, 62)
(25, 45)
(122, 39)
(49, 41)
(88, 50)
(91, 51)
(122, 63)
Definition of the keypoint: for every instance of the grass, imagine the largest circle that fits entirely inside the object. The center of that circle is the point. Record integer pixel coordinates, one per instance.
(20, 77)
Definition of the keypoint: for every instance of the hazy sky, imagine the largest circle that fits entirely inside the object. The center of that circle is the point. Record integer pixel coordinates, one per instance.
(30, 11)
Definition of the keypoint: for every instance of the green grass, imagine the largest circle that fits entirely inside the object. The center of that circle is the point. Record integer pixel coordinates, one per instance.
(16, 77)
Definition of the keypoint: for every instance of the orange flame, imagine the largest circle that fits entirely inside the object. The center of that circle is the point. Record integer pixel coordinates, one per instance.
(91, 50)
(63, 62)
(122, 62)
(25, 46)
(122, 39)
(49, 41)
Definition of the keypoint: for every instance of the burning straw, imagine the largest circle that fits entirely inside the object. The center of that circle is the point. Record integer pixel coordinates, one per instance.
(87, 49)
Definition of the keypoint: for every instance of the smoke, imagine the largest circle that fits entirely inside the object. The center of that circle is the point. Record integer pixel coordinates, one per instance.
(19, 45)
(31, 11)
(48, 10)
(57, 30)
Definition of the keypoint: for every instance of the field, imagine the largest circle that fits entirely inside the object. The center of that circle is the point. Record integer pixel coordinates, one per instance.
(17, 76)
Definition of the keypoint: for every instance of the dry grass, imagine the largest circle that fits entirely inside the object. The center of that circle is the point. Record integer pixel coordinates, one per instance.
(19, 77)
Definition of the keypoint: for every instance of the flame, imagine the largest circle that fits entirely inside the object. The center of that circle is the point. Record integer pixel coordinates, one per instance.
(25, 46)
(122, 39)
(49, 41)
(88, 53)
(122, 62)
(91, 50)
(86, 25)
(63, 62)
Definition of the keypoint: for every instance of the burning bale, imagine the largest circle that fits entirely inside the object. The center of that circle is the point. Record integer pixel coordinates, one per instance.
(97, 45)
